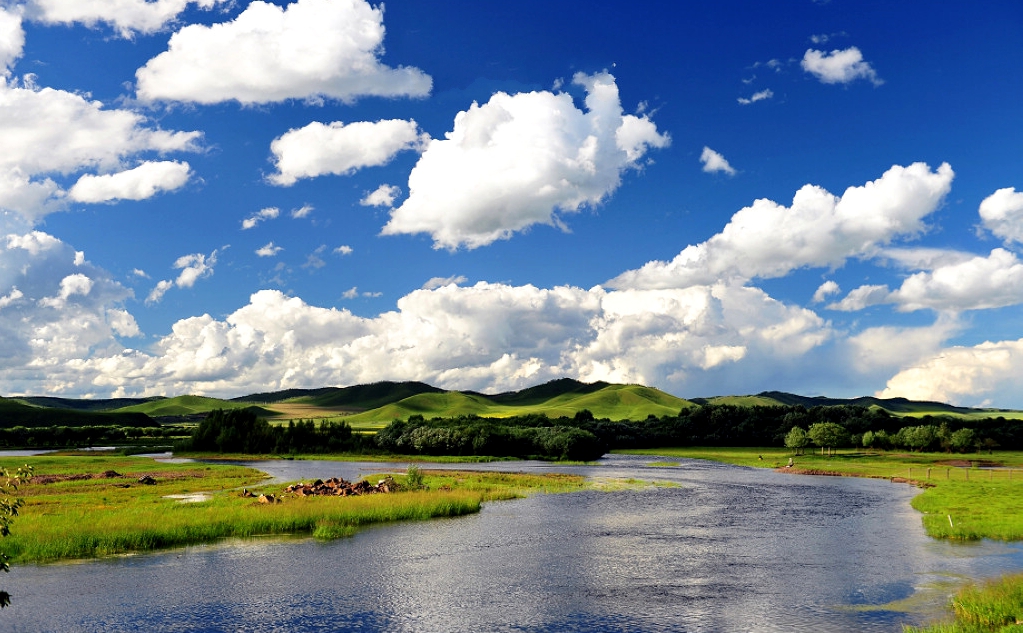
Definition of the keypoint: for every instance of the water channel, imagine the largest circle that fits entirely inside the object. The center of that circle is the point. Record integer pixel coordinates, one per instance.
(725, 549)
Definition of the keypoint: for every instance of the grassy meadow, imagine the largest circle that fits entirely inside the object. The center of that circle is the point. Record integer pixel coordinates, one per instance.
(67, 516)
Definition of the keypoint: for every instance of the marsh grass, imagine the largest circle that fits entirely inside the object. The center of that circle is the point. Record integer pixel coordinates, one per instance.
(87, 518)
(994, 606)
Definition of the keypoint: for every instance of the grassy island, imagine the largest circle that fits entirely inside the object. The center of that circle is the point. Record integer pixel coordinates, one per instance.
(85, 507)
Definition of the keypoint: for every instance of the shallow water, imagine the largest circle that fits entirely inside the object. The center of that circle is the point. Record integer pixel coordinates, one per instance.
(729, 549)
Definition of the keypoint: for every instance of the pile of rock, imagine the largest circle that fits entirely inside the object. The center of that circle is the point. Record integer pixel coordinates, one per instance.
(340, 488)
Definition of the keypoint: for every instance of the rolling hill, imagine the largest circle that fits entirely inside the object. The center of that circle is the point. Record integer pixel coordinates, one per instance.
(372, 406)
(896, 406)
(14, 413)
(555, 399)
(187, 406)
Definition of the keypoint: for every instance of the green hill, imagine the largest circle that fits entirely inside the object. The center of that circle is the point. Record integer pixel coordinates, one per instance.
(354, 398)
(270, 397)
(85, 404)
(896, 406)
(547, 392)
(186, 405)
(560, 398)
(14, 413)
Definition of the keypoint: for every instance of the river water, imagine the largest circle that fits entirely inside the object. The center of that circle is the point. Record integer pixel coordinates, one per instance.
(726, 549)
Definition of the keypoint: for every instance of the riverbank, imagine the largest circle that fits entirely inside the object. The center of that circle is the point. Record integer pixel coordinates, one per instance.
(87, 507)
(965, 497)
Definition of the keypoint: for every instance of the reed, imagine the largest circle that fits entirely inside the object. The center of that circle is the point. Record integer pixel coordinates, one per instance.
(70, 518)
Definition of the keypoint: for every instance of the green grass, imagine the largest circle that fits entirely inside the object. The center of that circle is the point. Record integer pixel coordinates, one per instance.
(992, 607)
(75, 519)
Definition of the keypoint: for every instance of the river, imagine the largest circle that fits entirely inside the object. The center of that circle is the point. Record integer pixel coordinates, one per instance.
(725, 548)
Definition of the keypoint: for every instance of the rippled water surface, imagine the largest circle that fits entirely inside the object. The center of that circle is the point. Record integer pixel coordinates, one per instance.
(729, 549)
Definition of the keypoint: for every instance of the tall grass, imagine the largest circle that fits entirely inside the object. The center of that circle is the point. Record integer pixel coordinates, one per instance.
(86, 518)
(994, 606)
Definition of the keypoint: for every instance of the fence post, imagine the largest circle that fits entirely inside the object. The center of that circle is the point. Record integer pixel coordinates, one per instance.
(928, 473)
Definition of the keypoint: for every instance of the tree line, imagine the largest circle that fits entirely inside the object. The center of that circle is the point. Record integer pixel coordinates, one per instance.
(242, 431)
(86, 436)
(581, 437)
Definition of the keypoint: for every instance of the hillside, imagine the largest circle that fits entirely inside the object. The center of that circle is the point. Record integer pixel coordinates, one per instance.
(371, 406)
(354, 398)
(82, 404)
(14, 413)
(186, 405)
(555, 399)
(895, 406)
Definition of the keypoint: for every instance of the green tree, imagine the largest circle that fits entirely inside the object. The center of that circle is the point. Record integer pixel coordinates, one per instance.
(828, 435)
(9, 506)
(963, 440)
(797, 440)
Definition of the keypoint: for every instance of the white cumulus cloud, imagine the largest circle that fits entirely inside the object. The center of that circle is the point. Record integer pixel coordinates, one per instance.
(144, 181)
(270, 250)
(12, 39)
(825, 290)
(339, 149)
(1002, 214)
(819, 229)
(757, 96)
(266, 213)
(715, 162)
(125, 16)
(302, 212)
(308, 49)
(55, 308)
(962, 375)
(382, 196)
(193, 267)
(440, 282)
(51, 133)
(839, 66)
(520, 160)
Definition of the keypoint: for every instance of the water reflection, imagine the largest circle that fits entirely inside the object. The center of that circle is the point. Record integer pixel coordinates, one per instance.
(728, 549)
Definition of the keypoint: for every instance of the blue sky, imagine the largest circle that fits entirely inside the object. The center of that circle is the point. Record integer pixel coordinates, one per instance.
(719, 198)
